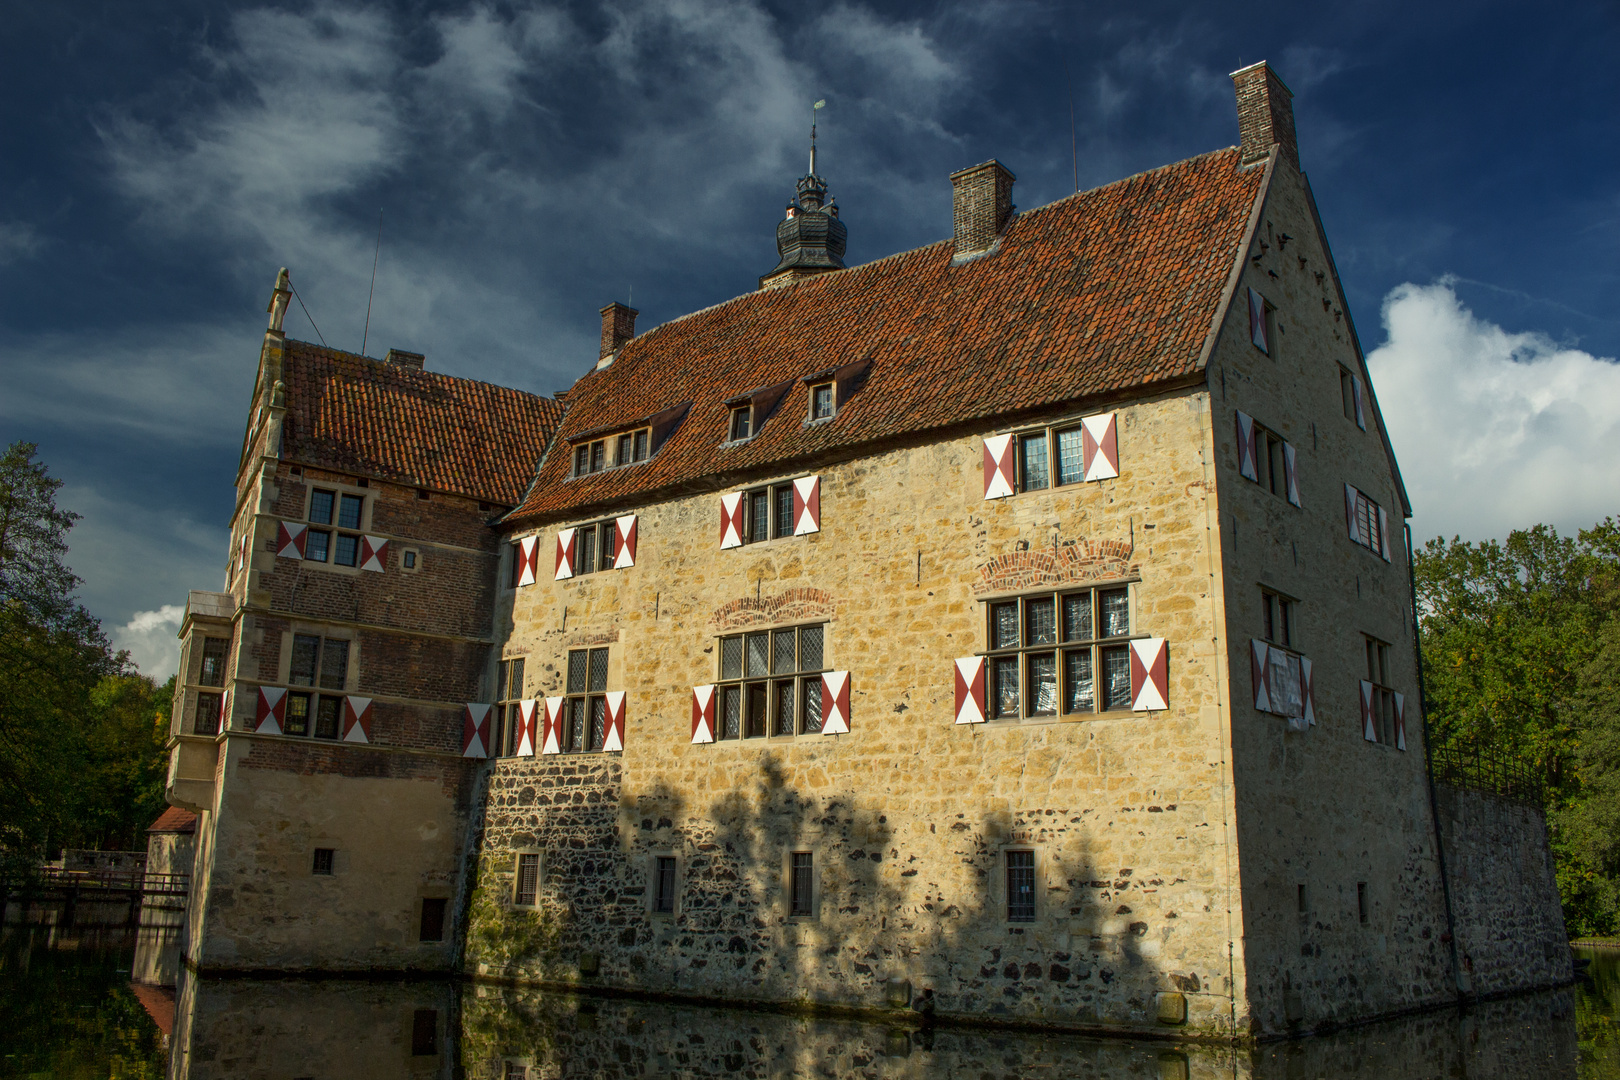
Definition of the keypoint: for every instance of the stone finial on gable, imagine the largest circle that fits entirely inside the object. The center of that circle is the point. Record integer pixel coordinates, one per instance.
(278, 300)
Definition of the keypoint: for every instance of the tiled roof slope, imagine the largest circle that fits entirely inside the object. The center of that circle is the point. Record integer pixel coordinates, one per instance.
(174, 820)
(353, 414)
(1099, 294)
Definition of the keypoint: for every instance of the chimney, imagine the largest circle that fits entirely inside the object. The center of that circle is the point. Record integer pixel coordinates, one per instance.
(981, 199)
(618, 327)
(1265, 114)
(405, 359)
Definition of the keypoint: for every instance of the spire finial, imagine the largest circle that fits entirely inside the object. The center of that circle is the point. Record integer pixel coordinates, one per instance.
(817, 107)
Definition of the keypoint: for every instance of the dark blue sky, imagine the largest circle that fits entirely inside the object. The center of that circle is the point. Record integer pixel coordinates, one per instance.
(159, 162)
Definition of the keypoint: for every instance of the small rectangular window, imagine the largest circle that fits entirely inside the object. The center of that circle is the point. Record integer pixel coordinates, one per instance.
(1020, 886)
(349, 508)
(1071, 456)
(1347, 391)
(317, 542)
(1361, 902)
(1277, 618)
(621, 456)
(1303, 907)
(213, 661)
(528, 879)
(640, 451)
(334, 664)
(801, 884)
(664, 885)
(582, 460)
(586, 539)
(432, 928)
(346, 552)
(598, 455)
(409, 560)
(1034, 474)
(305, 655)
(425, 1033)
(327, 715)
(759, 515)
(320, 506)
(207, 719)
(782, 525)
(740, 423)
(821, 401)
(323, 861)
(297, 714)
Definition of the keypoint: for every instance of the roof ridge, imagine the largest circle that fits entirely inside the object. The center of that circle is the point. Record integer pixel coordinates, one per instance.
(346, 355)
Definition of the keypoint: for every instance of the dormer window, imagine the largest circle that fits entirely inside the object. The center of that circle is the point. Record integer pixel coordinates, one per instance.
(741, 423)
(822, 402)
(632, 447)
(590, 457)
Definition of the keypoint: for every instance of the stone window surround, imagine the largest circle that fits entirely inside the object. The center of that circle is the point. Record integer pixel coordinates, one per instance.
(367, 505)
(800, 677)
(414, 557)
(650, 903)
(815, 883)
(1130, 583)
(539, 878)
(998, 883)
(1052, 430)
(351, 680)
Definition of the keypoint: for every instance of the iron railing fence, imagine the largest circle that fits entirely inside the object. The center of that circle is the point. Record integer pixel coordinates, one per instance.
(1474, 769)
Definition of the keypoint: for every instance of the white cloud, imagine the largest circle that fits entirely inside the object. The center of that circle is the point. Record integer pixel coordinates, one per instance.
(151, 641)
(18, 241)
(1494, 430)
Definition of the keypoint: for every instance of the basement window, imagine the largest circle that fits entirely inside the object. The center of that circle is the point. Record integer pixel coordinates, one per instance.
(1020, 886)
(801, 884)
(663, 898)
(1362, 906)
(526, 889)
(432, 927)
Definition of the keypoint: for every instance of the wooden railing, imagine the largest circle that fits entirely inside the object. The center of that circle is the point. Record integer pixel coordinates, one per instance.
(52, 877)
(1473, 769)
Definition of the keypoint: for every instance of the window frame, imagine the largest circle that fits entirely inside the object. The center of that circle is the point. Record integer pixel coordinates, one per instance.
(1023, 916)
(332, 531)
(740, 417)
(603, 536)
(508, 711)
(1060, 648)
(315, 693)
(215, 704)
(655, 885)
(801, 891)
(1278, 609)
(770, 683)
(775, 527)
(831, 387)
(1377, 657)
(539, 857)
(1270, 464)
(323, 863)
(1367, 532)
(1054, 450)
(223, 656)
(580, 707)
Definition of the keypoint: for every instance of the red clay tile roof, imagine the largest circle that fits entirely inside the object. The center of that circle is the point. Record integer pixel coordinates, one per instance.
(1097, 295)
(174, 820)
(353, 414)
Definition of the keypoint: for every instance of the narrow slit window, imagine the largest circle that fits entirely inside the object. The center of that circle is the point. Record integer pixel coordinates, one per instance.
(1020, 886)
(801, 884)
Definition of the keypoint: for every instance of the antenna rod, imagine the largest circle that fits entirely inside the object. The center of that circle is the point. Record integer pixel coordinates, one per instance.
(1074, 151)
(374, 255)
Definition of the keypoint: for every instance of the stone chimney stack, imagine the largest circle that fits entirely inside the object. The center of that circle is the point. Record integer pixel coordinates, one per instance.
(981, 198)
(1265, 114)
(618, 327)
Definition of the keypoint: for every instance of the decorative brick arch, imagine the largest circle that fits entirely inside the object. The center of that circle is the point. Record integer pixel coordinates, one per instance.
(1071, 561)
(794, 605)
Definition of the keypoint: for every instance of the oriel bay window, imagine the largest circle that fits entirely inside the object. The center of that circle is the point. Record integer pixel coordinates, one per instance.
(1059, 654)
(322, 663)
(770, 683)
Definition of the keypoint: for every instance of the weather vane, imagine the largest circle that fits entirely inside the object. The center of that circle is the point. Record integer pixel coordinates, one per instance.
(817, 107)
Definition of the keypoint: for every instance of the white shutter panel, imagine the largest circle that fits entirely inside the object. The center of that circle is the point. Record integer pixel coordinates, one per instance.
(1257, 322)
(1291, 473)
(1355, 389)
(1383, 533)
(998, 466)
(565, 554)
(731, 522)
(1245, 435)
(1260, 669)
(969, 676)
(806, 505)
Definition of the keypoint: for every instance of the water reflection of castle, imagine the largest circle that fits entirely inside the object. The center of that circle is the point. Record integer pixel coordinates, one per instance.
(1018, 627)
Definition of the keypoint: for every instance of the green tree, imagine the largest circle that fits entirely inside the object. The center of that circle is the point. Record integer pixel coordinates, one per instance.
(80, 761)
(1521, 660)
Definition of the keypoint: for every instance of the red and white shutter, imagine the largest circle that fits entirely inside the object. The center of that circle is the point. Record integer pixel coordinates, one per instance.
(1383, 533)
(731, 520)
(1400, 721)
(528, 560)
(970, 690)
(526, 724)
(1291, 472)
(551, 741)
(835, 703)
(624, 542)
(613, 739)
(1369, 726)
(1245, 437)
(1257, 321)
(1260, 668)
(1350, 494)
(998, 466)
(1099, 446)
(290, 540)
(475, 731)
(565, 554)
(373, 553)
(1355, 389)
(357, 719)
(806, 505)
(271, 714)
(1150, 674)
(703, 714)
(1307, 691)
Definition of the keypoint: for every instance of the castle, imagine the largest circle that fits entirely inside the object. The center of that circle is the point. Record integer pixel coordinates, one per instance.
(1019, 628)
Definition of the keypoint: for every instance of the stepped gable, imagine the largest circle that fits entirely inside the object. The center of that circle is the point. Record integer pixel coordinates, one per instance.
(1102, 293)
(373, 418)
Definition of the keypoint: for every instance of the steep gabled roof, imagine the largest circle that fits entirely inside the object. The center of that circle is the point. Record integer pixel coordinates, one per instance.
(1102, 294)
(378, 419)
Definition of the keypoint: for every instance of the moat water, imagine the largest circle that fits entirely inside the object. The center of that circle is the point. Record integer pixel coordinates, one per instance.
(68, 1010)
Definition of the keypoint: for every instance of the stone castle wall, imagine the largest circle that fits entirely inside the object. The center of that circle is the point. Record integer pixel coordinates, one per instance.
(1504, 893)
(909, 817)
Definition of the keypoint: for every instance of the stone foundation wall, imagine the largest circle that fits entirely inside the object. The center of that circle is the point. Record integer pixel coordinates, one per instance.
(1504, 893)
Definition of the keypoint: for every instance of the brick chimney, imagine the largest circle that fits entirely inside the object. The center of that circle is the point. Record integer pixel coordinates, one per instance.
(618, 327)
(981, 200)
(1265, 114)
(405, 359)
